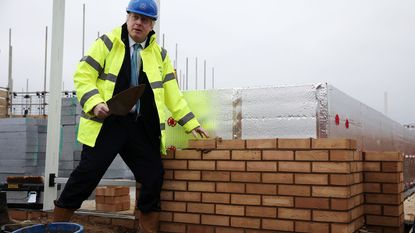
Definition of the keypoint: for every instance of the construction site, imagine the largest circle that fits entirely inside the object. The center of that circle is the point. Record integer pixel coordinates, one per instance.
(282, 158)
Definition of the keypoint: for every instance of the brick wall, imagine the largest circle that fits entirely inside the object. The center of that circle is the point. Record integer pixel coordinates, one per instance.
(281, 185)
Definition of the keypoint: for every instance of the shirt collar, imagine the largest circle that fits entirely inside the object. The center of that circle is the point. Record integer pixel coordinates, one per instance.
(132, 42)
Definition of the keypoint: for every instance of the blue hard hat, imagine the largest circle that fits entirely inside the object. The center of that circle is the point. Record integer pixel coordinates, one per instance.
(143, 7)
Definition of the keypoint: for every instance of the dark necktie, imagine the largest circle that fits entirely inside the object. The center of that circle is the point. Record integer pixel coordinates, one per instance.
(135, 70)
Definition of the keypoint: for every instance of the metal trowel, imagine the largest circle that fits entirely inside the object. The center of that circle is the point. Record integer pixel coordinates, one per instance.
(122, 103)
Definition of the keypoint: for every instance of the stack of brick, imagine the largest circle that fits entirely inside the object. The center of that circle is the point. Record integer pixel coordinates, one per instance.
(264, 186)
(384, 191)
(280, 185)
(112, 198)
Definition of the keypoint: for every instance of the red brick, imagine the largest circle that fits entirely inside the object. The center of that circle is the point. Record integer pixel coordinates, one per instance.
(283, 201)
(168, 175)
(202, 186)
(383, 199)
(383, 156)
(294, 143)
(371, 187)
(246, 176)
(311, 203)
(312, 227)
(187, 196)
(331, 216)
(331, 191)
(356, 189)
(341, 155)
(331, 167)
(173, 206)
(241, 222)
(215, 220)
(311, 179)
(175, 164)
(279, 225)
(277, 155)
(294, 166)
(186, 218)
(217, 155)
(216, 198)
(172, 227)
(392, 188)
(371, 166)
(239, 199)
(382, 177)
(166, 195)
(166, 216)
(261, 189)
(200, 229)
(202, 144)
(393, 210)
(342, 228)
(341, 204)
(230, 210)
(201, 208)
(187, 175)
(216, 176)
(228, 230)
(231, 144)
(392, 166)
(341, 179)
(383, 221)
(116, 199)
(261, 143)
(230, 187)
(262, 166)
(294, 190)
(174, 185)
(231, 165)
(312, 155)
(261, 211)
(333, 143)
(113, 207)
(188, 154)
(356, 166)
(112, 191)
(358, 156)
(295, 214)
(201, 165)
(278, 178)
(246, 155)
(373, 209)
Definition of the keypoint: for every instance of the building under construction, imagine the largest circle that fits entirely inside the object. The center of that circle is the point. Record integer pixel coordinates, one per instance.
(305, 158)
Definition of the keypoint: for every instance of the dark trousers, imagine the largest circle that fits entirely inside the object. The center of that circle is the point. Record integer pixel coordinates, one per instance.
(127, 136)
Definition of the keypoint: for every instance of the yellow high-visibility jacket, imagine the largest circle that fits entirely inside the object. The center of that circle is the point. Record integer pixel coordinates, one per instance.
(96, 75)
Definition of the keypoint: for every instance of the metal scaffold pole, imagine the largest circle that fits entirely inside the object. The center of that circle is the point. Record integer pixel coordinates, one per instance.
(54, 111)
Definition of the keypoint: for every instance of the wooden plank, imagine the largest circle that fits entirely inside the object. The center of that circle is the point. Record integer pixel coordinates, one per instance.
(3, 94)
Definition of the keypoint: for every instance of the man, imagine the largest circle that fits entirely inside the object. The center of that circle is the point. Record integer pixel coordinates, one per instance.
(114, 63)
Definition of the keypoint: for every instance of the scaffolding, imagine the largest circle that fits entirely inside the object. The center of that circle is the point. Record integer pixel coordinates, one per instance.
(26, 104)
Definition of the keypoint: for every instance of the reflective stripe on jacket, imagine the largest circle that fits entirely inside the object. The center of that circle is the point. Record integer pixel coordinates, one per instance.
(96, 75)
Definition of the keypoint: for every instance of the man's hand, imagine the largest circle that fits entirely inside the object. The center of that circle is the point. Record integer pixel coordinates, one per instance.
(101, 110)
(199, 130)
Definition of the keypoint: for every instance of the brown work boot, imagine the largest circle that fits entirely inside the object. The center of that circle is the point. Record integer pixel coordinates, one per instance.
(148, 222)
(4, 211)
(62, 214)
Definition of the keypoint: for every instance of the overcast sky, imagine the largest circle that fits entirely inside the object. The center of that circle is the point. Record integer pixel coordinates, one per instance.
(363, 47)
